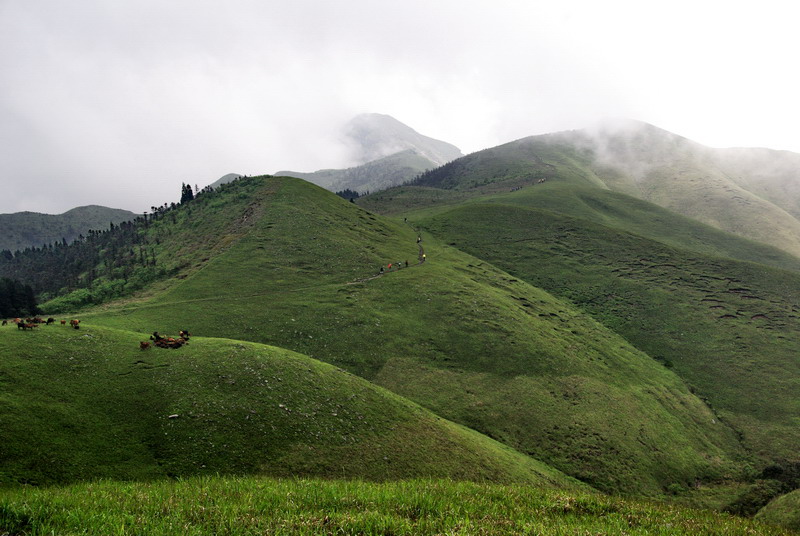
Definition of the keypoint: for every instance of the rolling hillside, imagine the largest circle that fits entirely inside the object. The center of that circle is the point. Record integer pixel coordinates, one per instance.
(85, 404)
(454, 334)
(748, 192)
(730, 329)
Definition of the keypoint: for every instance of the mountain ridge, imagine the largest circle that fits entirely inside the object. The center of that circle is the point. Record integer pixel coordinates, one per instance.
(34, 229)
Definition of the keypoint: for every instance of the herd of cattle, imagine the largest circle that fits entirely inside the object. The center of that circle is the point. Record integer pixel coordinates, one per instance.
(30, 323)
(157, 340)
(166, 342)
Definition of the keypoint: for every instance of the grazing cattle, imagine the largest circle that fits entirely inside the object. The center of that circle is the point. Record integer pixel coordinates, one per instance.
(17, 320)
(50, 320)
(5, 322)
(26, 325)
(184, 334)
(144, 345)
(63, 322)
(74, 323)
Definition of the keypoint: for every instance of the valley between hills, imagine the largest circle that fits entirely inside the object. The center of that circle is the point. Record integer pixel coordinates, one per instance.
(589, 345)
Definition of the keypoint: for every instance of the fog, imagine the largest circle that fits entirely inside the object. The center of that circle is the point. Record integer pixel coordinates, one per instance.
(119, 102)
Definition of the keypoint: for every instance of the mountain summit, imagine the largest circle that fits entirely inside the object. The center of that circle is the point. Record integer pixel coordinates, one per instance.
(387, 153)
(375, 136)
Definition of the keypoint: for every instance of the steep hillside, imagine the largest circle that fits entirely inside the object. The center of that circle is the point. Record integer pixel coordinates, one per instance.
(85, 404)
(453, 333)
(32, 229)
(730, 328)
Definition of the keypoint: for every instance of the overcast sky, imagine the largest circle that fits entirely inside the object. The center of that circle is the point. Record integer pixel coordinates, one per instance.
(117, 102)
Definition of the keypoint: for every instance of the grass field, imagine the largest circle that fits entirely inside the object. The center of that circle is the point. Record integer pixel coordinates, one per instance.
(86, 404)
(246, 506)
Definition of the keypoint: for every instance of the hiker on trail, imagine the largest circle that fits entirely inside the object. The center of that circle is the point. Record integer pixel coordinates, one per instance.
(419, 239)
(423, 257)
(390, 266)
(381, 270)
(406, 264)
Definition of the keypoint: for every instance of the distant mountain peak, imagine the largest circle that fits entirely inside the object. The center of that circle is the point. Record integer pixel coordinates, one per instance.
(372, 136)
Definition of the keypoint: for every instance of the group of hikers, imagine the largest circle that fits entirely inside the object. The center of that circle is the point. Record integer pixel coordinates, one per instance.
(400, 264)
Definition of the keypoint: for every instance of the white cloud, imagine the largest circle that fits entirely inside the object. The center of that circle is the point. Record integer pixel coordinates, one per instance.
(118, 102)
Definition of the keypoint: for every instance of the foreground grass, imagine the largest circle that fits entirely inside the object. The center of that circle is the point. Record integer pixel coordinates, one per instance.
(238, 506)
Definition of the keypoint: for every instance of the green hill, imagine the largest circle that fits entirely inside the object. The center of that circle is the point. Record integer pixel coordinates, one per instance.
(783, 511)
(729, 328)
(87, 404)
(32, 229)
(739, 191)
(454, 334)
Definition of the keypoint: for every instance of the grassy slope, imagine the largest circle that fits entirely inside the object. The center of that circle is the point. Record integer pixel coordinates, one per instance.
(453, 334)
(568, 192)
(643, 162)
(783, 511)
(244, 506)
(87, 404)
(683, 176)
(729, 328)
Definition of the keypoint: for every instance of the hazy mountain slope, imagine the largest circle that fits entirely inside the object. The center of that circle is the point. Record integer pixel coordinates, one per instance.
(388, 154)
(87, 404)
(453, 334)
(379, 174)
(225, 179)
(731, 329)
(570, 197)
(769, 174)
(727, 189)
(696, 181)
(33, 229)
(374, 136)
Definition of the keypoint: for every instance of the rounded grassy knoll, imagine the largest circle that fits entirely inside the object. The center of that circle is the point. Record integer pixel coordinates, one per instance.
(783, 511)
(88, 403)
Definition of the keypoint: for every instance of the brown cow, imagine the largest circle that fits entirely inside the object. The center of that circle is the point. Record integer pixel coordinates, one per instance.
(74, 323)
(63, 322)
(5, 322)
(144, 345)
